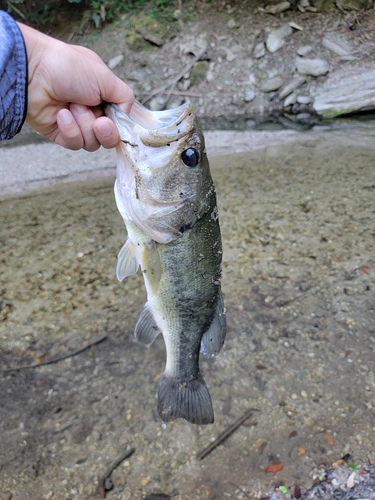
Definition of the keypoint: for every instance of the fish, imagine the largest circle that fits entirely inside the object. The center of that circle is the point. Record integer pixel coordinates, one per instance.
(166, 196)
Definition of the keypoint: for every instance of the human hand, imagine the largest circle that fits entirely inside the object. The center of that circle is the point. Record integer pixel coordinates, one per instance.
(66, 86)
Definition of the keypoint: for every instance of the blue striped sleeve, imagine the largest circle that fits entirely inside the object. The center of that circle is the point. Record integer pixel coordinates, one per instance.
(13, 78)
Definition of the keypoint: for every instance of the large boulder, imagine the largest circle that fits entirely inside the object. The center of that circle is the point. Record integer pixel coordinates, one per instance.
(343, 94)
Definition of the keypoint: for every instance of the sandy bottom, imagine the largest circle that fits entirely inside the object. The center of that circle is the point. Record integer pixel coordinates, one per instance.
(298, 224)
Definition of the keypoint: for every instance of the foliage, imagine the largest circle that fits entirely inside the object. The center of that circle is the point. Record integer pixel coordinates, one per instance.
(46, 13)
(156, 8)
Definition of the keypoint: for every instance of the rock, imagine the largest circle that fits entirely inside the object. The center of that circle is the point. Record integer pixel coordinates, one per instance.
(115, 61)
(150, 29)
(197, 47)
(95, 436)
(291, 87)
(231, 24)
(279, 7)
(137, 75)
(311, 9)
(304, 99)
(211, 74)
(276, 39)
(272, 84)
(342, 94)
(259, 50)
(303, 51)
(249, 95)
(303, 117)
(296, 26)
(338, 44)
(352, 4)
(304, 3)
(313, 67)
(324, 5)
(156, 104)
(198, 73)
(135, 41)
(228, 53)
(290, 100)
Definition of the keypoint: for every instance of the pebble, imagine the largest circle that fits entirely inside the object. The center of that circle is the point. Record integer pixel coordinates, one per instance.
(291, 99)
(276, 39)
(291, 87)
(211, 74)
(115, 61)
(259, 50)
(233, 24)
(279, 7)
(304, 99)
(272, 84)
(228, 54)
(156, 104)
(337, 44)
(303, 51)
(313, 67)
(302, 117)
(249, 95)
(145, 481)
(296, 26)
(95, 436)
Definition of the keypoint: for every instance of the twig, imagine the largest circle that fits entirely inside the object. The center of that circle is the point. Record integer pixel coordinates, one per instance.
(225, 434)
(16, 9)
(55, 360)
(102, 487)
(175, 80)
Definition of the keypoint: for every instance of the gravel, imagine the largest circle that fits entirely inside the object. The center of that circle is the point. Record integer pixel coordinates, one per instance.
(298, 279)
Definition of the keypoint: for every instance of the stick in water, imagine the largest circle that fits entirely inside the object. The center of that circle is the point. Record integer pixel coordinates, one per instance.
(225, 434)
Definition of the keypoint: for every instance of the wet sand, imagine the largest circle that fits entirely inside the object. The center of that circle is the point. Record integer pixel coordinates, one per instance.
(298, 280)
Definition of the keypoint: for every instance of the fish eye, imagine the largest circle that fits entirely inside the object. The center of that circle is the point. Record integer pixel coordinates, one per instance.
(190, 157)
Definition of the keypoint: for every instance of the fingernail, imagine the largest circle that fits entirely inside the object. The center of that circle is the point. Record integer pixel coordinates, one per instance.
(104, 129)
(65, 116)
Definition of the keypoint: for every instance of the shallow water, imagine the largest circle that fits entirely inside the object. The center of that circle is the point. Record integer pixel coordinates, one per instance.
(298, 224)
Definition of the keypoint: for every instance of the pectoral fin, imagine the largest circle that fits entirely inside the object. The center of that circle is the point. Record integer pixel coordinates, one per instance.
(146, 330)
(213, 338)
(127, 262)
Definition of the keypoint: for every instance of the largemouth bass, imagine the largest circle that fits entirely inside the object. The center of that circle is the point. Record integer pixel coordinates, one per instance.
(166, 196)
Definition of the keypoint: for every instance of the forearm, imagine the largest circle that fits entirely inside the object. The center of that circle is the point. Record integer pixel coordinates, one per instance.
(13, 78)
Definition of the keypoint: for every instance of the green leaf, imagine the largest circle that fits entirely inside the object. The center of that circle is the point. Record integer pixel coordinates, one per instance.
(352, 466)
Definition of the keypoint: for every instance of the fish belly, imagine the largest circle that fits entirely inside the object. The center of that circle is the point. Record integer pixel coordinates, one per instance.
(184, 298)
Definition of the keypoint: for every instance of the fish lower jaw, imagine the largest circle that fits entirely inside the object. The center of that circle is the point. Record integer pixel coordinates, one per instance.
(188, 399)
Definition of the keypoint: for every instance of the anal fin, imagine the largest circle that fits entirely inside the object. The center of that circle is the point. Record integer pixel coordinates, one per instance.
(146, 331)
(127, 262)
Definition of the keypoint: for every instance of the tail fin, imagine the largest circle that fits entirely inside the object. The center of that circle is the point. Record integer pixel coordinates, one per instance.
(185, 399)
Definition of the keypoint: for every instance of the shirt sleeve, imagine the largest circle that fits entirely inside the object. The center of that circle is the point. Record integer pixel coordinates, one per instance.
(13, 78)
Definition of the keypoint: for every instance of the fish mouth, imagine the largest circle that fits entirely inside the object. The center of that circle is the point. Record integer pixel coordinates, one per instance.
(152, 128)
